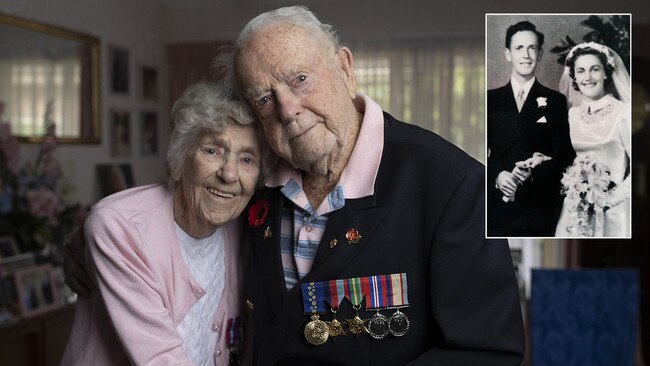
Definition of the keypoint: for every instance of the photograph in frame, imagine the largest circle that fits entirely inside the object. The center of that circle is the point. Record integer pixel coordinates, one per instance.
(148, 83)
(113, 178)
(120, 134)
(119, 69)
(36, 289)
(558, 126)
(8, 247)
(10, 265)
(149, 133)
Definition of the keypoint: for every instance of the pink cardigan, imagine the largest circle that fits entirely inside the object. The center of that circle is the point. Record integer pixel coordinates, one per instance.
(145, 289)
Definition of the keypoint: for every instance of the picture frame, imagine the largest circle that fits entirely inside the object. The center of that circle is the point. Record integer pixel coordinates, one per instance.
(36, 290)
(8, 246)
(148, 133)
(120, 133)
(148, 84)
(113, 178)
(9, 265)
(119, 69)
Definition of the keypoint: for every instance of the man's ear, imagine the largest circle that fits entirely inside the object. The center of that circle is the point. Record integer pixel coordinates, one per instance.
(506, 51)
(346, 61)
(539, 54)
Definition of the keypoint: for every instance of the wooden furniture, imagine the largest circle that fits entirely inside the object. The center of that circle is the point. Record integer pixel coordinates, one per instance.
(37, 341)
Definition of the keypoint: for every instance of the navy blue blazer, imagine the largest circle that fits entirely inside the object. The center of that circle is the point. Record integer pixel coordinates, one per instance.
(513, 136)
(426, 218)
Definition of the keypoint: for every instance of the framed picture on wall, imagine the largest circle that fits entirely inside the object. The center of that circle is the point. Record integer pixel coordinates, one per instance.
(149, 133)
(119, 69)
(120, 134)
(36, 289)
(114, 178)
(148, 83)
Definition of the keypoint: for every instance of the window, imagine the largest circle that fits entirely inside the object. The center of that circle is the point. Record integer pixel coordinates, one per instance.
(436, 84)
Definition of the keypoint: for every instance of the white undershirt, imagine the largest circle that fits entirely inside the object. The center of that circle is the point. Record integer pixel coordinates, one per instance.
(205, 260)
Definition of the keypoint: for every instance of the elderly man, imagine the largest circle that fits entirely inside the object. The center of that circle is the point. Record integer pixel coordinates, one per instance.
(367, 243)
(357, 196)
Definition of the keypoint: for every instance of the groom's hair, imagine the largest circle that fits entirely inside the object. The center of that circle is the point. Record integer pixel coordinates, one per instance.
(524, 26)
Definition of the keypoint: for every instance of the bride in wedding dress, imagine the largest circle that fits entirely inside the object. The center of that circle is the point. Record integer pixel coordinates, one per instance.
(597, 184)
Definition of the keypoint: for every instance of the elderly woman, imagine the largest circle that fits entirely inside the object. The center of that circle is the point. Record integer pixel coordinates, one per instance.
(166, 257)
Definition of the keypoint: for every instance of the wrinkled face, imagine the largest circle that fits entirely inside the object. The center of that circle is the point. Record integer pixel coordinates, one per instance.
(524, 53)
(590, 76)
(221, 174)
(301, 90)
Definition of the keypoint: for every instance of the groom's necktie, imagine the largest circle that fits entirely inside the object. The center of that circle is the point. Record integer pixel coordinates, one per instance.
(520, 99)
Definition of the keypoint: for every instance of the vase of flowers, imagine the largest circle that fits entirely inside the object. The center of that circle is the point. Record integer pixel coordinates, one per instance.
(34, 207)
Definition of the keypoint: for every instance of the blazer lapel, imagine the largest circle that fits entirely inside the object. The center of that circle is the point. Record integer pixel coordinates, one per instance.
(509, 124)
(330, 263)
(335, 252)
(268, 251)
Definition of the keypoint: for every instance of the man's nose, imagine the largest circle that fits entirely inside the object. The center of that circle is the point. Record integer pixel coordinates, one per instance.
(228, 170)
(289, 105)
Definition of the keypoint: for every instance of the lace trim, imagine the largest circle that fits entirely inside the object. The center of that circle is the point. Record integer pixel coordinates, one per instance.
(591, 116)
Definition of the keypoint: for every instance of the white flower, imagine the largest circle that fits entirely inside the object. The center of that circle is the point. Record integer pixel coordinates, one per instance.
(541, 102)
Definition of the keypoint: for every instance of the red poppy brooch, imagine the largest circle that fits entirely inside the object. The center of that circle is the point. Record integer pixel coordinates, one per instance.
(257, 213)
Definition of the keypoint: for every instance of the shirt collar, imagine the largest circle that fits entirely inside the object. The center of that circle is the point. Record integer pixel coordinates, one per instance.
(516, 86)
(599, 104)
(359, 175)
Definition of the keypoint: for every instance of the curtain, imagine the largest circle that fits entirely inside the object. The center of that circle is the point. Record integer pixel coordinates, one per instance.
(437, 84)
(33, 83)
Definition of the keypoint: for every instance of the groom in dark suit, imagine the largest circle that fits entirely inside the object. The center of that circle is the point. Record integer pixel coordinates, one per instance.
(524, 117)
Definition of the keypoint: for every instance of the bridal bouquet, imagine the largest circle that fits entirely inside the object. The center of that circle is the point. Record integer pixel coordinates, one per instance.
(587, 186)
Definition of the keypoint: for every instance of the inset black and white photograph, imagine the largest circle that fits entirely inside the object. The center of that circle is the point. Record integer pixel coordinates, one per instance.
(558, 125)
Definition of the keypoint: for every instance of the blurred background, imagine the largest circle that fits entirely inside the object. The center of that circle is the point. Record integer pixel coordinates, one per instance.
(103, 76)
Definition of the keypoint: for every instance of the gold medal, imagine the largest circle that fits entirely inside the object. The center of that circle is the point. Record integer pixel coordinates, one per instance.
(335, 327)
(316, 331)
(357, 325)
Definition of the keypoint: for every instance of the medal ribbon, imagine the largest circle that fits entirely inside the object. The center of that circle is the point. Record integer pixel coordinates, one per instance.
(334, 292)
(397, 290)
(312, 298)
(234, 331)
(353, 290)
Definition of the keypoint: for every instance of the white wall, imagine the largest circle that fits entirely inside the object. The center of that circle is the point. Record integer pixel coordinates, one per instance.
(145, 26)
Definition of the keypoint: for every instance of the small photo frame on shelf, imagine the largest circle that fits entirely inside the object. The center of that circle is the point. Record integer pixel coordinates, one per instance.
(36, 289)
(120, 134)
(148, 83)
(10, 265)
(114, 178)
(149, 133)
(119, 72)
(8, 246)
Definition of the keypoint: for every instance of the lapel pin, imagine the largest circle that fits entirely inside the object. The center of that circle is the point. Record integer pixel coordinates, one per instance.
(333, 243)
(353, 236)
(267, 233)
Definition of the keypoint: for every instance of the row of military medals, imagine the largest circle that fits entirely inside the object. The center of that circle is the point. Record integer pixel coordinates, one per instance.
(381, 292)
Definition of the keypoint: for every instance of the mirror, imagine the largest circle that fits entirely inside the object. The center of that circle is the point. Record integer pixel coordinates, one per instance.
(49, 74)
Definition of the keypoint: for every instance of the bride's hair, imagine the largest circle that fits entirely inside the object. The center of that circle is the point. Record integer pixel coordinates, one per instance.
(608, 64)
(617, 82)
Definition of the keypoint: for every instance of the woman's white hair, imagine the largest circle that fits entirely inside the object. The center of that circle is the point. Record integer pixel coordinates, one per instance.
(203, 108)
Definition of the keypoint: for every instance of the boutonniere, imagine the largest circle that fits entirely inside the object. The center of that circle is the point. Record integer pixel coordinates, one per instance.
(257, 213)
(541, 102)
